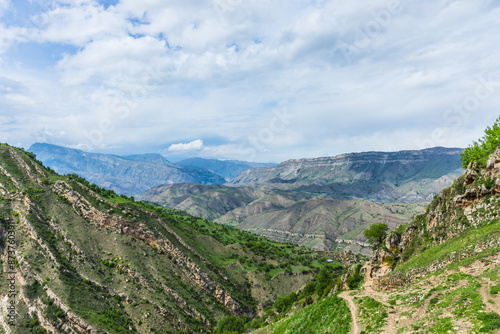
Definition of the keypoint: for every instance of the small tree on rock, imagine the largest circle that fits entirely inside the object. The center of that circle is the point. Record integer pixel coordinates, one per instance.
(376, 234)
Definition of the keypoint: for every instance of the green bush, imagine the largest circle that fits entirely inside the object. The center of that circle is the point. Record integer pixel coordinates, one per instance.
(354, 279)
(491, 322)
(230, 325)
(479, 152)
(494, 290)
(283, 304)
(376, 234)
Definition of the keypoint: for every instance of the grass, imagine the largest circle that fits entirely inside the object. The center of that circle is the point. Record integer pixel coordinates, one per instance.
(454, 247)
(443, 325)
(329, 315)
(372, 314)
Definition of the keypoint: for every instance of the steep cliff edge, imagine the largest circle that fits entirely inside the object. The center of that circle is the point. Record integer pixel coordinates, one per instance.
(375, 176)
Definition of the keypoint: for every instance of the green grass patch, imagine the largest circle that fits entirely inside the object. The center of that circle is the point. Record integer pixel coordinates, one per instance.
(329, 315)
(372, 314)
(452, 248)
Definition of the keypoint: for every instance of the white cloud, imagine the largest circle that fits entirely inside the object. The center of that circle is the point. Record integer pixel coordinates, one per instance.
(4, 5)
(195, 145)
(146, 74)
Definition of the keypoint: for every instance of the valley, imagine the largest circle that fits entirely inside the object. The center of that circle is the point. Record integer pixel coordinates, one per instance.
(323, 203)
(83, 259)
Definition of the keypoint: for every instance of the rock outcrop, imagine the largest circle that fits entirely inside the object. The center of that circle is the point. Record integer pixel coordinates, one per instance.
(469, 203)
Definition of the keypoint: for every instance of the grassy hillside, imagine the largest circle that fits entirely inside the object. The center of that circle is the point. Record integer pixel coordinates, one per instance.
(329, 315)
(80, 258)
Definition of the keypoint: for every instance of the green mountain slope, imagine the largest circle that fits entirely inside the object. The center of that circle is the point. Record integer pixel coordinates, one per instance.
(78, 258)
(441, 272)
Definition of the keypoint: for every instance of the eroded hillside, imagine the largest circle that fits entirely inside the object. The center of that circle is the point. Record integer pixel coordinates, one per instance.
(80, 259)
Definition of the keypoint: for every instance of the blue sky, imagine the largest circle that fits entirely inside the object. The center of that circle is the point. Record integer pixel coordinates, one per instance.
(248, 80)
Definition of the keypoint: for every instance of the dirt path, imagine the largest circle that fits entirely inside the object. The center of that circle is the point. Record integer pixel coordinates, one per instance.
(486, 296)
(354, 311)
(394, 318)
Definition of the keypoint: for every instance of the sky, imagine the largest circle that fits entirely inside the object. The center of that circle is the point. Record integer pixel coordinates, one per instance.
(252, 80)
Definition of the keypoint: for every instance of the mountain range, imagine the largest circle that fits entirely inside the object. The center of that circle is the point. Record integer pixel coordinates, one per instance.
(135, 174)
(377, 176)
(79, 258)
(322, 203)
(229, 169)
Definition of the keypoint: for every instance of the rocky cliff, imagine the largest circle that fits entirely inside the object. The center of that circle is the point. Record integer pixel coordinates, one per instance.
(378, 176)
(456, 215)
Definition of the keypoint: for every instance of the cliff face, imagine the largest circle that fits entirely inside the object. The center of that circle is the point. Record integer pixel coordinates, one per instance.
(380, 176)
(456, 214)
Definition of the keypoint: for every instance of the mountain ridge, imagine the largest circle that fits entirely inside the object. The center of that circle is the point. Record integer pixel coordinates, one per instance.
(229, 169)
(129, 175)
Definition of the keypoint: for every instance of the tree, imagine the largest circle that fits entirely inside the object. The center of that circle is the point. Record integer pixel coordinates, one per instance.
(376, 234)
(479, 152)
(230, 325)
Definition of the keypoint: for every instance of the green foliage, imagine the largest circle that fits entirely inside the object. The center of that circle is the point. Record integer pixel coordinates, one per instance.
(32, 290)
(230, 325)
(283, 304)
(491, 322)
(373, 314)
(494, 290)
(390, 260)
(354, 279)
(376, 234)
(443, 325)
(479, 152)
(328, 315)
(33, 324)
(434, 301)
(309, 289)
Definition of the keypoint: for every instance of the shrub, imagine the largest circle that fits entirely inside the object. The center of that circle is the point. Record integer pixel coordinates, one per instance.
(229, 325)
(494, 290)
(479, 152)
(354, 279)
(491, 322)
